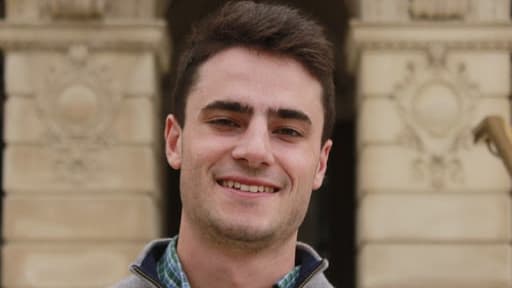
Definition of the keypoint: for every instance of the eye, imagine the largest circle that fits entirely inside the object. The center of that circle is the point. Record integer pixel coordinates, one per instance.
(289, 132)
(224, 122)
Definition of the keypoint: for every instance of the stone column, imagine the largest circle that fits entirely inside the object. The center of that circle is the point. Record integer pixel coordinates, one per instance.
(434, 209)
(82, 139)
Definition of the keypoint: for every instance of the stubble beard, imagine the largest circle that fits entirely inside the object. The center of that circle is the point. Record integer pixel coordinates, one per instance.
(236, 235)
(224, 232)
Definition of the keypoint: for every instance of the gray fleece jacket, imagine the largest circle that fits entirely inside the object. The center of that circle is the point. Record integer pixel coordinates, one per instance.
(144, 273)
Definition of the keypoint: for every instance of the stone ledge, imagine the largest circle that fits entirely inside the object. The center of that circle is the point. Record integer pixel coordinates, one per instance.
(149, 35)
(421, 36)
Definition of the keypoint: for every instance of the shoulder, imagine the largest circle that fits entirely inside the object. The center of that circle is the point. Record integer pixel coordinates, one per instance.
(152, 250)
(318, 281)
(313, 267)
(131, 282)
(146, 262)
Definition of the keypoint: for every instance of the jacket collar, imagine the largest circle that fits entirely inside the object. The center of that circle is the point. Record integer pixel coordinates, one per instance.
(146, 262)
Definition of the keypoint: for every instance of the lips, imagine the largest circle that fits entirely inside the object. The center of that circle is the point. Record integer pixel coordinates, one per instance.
(247, 187)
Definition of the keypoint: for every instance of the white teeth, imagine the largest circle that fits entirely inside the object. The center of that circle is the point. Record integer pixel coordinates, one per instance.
(247, 188)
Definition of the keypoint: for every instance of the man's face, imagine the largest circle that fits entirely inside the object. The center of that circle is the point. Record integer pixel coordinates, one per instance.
(250, 152)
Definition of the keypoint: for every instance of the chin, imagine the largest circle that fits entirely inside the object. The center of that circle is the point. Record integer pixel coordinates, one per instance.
(244, 233)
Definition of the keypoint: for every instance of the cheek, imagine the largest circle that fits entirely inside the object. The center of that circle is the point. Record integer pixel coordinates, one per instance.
(298, 162)
(203, 151)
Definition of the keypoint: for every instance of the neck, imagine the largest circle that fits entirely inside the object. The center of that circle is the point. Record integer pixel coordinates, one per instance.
(208, 263)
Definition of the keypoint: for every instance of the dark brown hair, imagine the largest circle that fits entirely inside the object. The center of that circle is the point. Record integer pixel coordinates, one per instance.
(271, 28)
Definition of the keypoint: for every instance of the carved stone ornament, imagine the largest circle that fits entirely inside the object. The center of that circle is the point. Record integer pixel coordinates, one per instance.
(436, 106)
(438, 9)
(78, 97)
(77, 9)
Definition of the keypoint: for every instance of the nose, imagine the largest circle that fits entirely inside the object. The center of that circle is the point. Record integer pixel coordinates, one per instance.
(253, 146)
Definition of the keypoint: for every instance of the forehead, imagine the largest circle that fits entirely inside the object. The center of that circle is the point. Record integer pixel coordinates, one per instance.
(258, 79)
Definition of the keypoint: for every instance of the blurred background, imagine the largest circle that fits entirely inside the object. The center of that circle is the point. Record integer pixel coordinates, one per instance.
(409, 199)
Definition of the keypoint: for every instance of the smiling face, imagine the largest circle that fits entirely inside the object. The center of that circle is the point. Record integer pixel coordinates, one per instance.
(250, 152)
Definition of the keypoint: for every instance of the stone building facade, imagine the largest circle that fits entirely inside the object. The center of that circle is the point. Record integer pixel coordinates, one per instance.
(82, 170)
(82, 152)
(433, 208)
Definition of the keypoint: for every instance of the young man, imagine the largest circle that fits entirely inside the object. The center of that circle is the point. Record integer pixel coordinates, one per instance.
(254, 107)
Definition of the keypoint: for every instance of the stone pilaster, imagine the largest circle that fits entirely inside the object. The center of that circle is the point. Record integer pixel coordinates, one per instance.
(433, 208)
(82, 139)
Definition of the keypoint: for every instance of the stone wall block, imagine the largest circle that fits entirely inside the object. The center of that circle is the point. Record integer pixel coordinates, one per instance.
(62, 265)
(80, 218)
(144, 79)
(380, 121)
(381, 71)
(17, 71)
(491, 106)
(435, 217)
(389, 168)
(121, 168)
(136, 122)
(490, 70)
(133, 123)
(429, 265)
(22, 122)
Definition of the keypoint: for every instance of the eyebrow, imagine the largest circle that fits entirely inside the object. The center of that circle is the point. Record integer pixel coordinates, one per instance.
(291, 114)
(229, 106)
(238, 107)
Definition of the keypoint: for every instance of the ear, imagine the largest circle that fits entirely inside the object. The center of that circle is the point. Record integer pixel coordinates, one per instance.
(322, 164)
(172, 136)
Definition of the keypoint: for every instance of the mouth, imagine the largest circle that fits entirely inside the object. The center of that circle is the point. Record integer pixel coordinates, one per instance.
(247, 187)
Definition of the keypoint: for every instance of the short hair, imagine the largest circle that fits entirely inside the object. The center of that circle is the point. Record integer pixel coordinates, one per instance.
(272, 28)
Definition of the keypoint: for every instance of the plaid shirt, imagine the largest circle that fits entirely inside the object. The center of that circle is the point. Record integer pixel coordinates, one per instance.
(172, 275)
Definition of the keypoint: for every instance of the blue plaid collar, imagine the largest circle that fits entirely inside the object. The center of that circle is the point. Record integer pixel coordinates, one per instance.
(172, 275)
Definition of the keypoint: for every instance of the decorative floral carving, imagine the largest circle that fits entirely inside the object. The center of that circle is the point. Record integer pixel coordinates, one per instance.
(436, 106)
(438, 9)
(78, 98)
